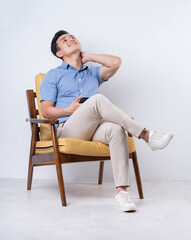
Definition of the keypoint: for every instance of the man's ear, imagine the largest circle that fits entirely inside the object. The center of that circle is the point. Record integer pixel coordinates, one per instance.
(59, 54)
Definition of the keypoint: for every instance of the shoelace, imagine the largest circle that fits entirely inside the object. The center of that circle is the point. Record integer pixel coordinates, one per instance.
(125, 196)
(157, 135)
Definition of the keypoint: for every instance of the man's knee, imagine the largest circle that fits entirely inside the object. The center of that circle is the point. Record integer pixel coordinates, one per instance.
(115, 130)
(98, 96)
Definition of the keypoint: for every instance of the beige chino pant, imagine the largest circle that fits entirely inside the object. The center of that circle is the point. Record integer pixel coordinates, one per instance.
(97, 119)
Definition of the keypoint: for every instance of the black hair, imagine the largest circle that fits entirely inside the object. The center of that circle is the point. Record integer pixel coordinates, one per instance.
(54, 46)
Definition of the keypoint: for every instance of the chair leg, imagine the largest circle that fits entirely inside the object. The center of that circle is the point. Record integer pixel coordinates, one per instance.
(61, 184)
(32, 152)
(30, 175)
(101, 167)
(58, 166)
(137, 174)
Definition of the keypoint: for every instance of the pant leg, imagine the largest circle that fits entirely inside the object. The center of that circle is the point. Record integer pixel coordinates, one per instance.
(115, 136)
(83, 123)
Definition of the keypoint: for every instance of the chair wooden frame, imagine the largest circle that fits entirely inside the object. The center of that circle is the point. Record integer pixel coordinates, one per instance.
(57, 158)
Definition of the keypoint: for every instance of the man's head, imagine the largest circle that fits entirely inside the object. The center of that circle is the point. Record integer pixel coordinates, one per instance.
(64, 44)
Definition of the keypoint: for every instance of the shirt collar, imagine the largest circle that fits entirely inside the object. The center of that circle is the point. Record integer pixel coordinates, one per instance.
(66, 66)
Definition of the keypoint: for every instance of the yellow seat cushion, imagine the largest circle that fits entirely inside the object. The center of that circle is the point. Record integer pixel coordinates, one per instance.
(80, 147)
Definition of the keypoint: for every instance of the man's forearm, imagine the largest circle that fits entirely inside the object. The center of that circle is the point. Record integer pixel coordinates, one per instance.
(55, 113)
(49, 111)
(106, 60)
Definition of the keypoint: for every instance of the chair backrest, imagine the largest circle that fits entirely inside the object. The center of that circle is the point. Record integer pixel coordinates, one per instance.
(45, 130)
(33, 112)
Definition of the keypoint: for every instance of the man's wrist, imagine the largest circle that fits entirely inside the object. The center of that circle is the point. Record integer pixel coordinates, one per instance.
(90, 57)
(67, 111)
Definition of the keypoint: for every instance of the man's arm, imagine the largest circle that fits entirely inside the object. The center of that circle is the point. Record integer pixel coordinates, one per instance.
(50, 112)
(110, 64)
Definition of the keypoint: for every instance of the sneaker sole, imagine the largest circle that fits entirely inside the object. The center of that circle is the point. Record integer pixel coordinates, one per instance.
(165, 143)
(129, 209)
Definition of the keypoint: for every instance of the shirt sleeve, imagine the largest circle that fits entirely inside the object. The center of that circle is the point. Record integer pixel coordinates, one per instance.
(48, 88)
(96, 73)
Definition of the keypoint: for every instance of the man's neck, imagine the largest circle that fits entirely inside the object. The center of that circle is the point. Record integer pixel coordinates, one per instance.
(74, 60)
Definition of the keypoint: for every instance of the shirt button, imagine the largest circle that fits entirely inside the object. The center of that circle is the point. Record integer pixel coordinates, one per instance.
(79, 79)
(80, 90)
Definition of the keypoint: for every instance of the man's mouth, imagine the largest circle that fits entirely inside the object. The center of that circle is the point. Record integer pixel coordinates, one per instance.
(71, 44)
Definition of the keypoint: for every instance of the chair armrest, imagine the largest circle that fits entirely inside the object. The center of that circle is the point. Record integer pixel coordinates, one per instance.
(44, 121)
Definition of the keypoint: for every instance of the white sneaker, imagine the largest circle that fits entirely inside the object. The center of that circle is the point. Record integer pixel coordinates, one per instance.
(124, 202)
(159, 140)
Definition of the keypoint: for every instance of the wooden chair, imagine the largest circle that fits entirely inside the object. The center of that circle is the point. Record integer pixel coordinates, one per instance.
(46, 149)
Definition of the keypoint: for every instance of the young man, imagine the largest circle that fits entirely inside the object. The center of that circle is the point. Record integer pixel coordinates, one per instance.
(96, 119)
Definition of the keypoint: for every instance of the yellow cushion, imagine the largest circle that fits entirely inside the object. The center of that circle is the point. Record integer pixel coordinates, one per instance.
(45, 131)
(80, 147)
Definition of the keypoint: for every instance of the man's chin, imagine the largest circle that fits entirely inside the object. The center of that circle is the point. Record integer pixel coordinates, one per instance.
(75, 51)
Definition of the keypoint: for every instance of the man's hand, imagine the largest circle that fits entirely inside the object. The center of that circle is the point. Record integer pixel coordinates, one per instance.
(75, 104)
(84, 57)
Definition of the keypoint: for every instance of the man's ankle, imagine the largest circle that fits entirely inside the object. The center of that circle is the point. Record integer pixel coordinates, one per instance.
(121, 188)
(145, 135)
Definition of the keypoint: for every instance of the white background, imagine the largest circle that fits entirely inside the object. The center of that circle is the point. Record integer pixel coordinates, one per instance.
(153, 85)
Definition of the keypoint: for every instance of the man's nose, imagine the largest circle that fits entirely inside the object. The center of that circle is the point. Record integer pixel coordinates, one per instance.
(70, 37)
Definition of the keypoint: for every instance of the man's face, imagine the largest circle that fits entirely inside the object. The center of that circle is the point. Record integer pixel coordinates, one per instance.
(67, 45)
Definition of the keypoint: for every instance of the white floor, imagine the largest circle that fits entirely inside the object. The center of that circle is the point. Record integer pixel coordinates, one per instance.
(164, 213)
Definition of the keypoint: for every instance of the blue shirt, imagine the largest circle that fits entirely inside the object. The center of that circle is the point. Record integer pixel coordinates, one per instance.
(64, 84)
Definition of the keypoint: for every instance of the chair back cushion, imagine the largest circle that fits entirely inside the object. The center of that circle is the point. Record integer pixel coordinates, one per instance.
(45, 130)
